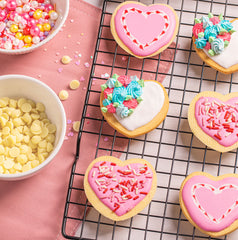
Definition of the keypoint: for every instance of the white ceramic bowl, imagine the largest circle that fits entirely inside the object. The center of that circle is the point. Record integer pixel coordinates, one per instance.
(62, 8)
(16, 86)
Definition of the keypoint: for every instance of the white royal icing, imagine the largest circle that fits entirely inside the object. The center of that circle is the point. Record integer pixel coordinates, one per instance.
(229, 56)
(153, 101)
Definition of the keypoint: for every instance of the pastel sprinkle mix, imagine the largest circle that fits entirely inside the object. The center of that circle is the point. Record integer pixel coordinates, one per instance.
(25, 23)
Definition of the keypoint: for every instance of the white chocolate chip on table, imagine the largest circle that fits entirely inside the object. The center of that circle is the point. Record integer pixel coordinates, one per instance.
(63, 95)
(76, 126)
(26, 135)
(66, 60)
(74, 84)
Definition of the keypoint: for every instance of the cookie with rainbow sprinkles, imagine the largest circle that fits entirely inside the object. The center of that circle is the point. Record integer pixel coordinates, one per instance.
(133, 106)
(120, 189)
(216, 42)
(213, 118)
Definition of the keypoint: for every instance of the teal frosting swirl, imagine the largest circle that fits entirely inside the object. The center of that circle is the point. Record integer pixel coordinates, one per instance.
(119, 95)
(134, 89)
(200, 43)
(227, 25)
(106, 102)
(122, 111)
(206, 22)
(218, 28)
(210, 32)
(111, 82)
(217, 45)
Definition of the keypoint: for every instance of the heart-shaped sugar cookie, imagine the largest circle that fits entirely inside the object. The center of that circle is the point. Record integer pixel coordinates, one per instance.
(215, 41)
(213, 118)
(211, 203)
(144, 31)
(131, 109)
(119, 189)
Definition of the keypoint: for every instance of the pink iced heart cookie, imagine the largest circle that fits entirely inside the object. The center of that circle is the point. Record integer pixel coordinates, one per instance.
(144, 31)
(119, 189)
(213, 118)
(211, 203)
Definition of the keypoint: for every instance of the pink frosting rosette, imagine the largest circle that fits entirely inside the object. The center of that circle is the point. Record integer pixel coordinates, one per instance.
(197, 28)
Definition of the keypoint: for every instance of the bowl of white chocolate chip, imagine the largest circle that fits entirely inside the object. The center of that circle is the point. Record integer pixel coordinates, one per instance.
(32, 126)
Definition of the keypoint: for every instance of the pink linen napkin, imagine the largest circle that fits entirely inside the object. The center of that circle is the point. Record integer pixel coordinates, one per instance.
(32, 209)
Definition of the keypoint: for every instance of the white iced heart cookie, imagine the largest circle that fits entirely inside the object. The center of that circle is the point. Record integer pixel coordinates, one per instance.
(215, 41)
(132, 106)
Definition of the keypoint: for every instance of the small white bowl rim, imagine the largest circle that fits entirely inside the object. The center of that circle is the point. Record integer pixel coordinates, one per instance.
(47, 39)
(23, 175)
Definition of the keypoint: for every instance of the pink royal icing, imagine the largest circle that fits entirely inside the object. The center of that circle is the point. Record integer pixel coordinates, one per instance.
(212, 205)
(145, 29)
(120, 188)
(218, 119)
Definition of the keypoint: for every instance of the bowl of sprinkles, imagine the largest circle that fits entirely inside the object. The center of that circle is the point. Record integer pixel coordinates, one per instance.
(28, 24)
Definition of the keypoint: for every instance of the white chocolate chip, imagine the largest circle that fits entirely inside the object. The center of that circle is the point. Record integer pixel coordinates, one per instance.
(66, 59)
(76, 126)
(63, 95)
(74, 84)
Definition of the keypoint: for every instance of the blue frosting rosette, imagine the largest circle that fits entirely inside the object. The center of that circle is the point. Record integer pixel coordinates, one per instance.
(116, 95)
(212, 33)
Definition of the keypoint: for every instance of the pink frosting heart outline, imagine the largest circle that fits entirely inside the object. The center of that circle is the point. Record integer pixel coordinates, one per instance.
(202, 209)
(132, 42)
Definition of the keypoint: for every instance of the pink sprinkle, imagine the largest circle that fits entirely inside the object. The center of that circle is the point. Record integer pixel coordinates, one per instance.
(77, 63)
(86, 65)
(84, 88)
(105, 139)
(57, 54)
(93, 83)
(88, 115)
(56, 61)
(66, 138)
(69, 121)
(60, 70)
(102, 62)
(124, 58)
(82, 79)
(70, 134)
(94, 79)
(75, 56)
(72, 20)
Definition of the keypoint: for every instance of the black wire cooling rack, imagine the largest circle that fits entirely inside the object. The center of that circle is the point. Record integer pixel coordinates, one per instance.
(171, 148)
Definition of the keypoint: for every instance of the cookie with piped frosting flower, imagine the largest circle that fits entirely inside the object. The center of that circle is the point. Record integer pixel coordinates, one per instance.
(216, 42)
(133, 106)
